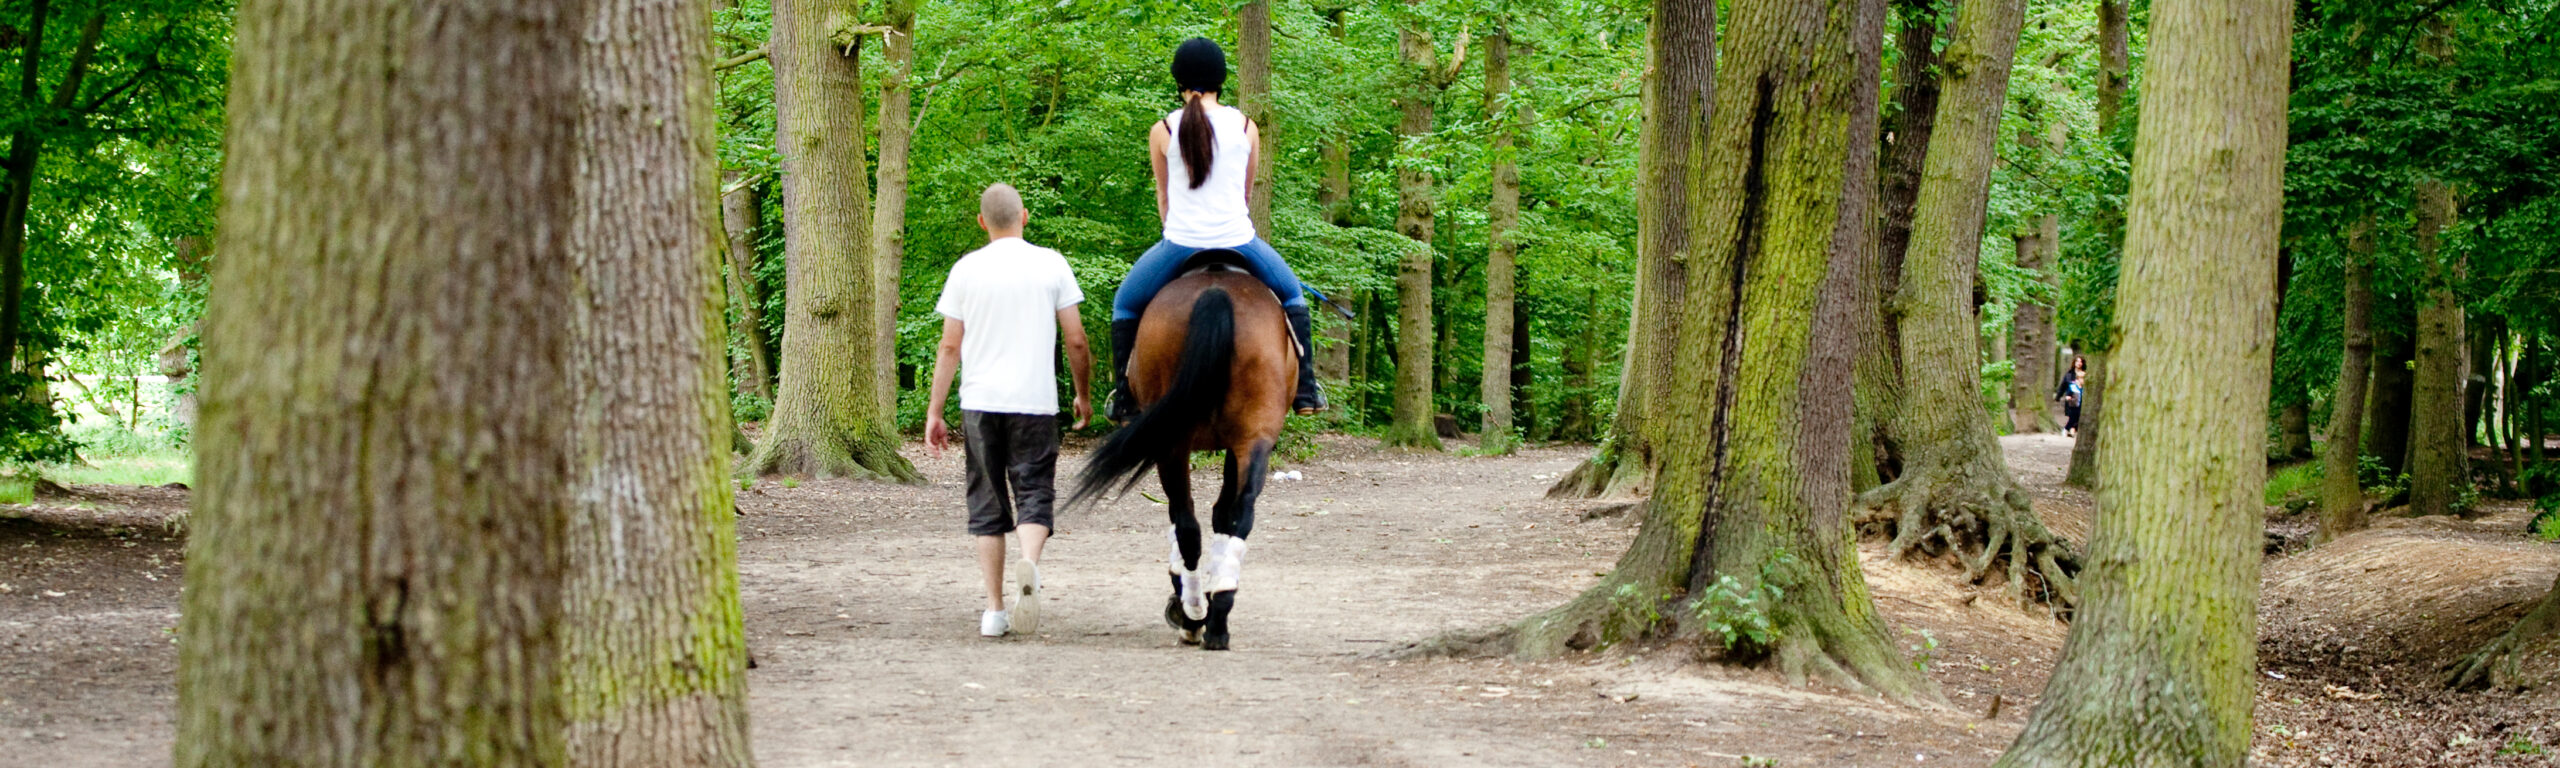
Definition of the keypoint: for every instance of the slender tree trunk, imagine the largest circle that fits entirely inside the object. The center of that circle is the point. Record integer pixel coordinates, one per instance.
(1524, 414)
(742, 215)
(1679, 92)
(375, 565)
(2387, 419)
(654, 654)
(2439, 466)
(1502, 219)
(1955, 490)
(889, 210)
(2342, 505)
(826, 418)
(2480, 331)
(2161, 662)
(18, 176)
(1787, 198)
(1414, 341)
(2031, 335)
(2115, 62)
(1253, 96)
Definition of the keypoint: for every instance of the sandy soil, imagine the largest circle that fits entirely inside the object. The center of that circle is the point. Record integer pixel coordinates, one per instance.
(862, 614)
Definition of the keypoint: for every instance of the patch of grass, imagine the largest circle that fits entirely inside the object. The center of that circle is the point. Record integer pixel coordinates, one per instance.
(789, 481)
(154, 468)
(2300, 479)
(17, 490)
(2521, 746)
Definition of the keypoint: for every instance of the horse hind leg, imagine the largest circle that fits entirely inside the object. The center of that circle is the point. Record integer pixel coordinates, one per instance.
(1232, 521)
(1183, 559)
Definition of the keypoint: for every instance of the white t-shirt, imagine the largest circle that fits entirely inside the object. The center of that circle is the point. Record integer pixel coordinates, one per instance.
(1006, 297)
(1213, 216)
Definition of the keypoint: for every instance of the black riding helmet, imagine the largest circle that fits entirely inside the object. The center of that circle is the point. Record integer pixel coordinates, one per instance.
(1200, 65)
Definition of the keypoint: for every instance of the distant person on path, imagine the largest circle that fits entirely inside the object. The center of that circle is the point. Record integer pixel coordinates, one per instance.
(2069, 394)
(1004, 308)
(1203, 155)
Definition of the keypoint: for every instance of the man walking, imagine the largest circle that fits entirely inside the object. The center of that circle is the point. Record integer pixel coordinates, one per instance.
(1004, 308)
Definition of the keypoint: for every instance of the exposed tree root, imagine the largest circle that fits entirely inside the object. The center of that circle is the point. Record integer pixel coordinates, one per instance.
(1609, 473)
(1984, 521)
(831, 456)
(2495, 665)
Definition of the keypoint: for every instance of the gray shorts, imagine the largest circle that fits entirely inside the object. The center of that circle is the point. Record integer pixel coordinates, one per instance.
(1013, 469)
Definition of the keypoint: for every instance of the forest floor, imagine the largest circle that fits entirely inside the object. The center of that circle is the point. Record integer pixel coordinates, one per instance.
(862, 615)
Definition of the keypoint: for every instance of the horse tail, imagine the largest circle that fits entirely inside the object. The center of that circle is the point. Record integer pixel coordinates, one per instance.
(1199, 390)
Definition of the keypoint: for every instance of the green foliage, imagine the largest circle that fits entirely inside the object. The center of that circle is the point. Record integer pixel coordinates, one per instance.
(2521, 746)
(1740, 615)
(2294, 483)
(1996, 377)
(17, 490)
(748, 407)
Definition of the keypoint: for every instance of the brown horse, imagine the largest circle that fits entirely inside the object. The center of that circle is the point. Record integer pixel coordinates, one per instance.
(1214, 369)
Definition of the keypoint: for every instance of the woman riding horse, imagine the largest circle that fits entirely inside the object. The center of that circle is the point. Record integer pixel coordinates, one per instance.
(1203, 156)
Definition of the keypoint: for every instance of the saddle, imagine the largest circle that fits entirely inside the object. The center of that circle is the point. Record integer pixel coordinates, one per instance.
(1220, 260)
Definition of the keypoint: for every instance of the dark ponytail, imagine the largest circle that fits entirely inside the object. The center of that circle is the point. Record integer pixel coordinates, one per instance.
(1197, 140)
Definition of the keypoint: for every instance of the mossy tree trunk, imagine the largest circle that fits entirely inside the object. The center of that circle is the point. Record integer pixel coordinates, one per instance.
(1678, 92)
(1955, 491)
(1502, 219)
(827, 419)
(1756, 489)
(654, 652)
(742, 217)
(1420, 94)
(2439, 449)
(2161, 663)
(889, 210)
(2342, 504)
(376, 554)
(2115, 76)
(1253, 96)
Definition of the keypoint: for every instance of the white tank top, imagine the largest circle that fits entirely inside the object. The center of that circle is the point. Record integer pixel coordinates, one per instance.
(1214, 215)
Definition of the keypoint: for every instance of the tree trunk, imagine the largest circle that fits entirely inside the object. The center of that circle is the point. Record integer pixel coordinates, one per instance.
(742, 215)
(1502, 219)
(1524, 413)
(1955, 491)
(1910, 121)
(2439, 466)
(2031, 347)
(826, 419)
(1756, 493)
(653, 651)
(2342, 505)
(2161, 662)
(2387, 419)
(2115, 63)
(889, 210)
(1412, 426)
(1253, 96)
(2084, 449)
(26, 149)
(1679, 90)
(2480, 331)
(374, 570)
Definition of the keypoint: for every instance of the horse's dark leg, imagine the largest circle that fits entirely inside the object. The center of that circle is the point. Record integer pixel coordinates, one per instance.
(1232, 520)
(1174, 472)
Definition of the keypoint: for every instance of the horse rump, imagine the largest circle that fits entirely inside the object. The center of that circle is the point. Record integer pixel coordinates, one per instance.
(1164, 427)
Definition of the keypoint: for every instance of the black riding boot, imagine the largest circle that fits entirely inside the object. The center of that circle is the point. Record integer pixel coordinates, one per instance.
(1303, 327)
(1124, 337)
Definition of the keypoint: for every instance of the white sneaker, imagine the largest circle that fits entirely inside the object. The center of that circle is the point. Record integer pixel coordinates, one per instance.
(1025, 615)
(993, 624)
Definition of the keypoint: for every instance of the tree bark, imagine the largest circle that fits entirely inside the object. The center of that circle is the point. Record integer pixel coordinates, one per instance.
(376, 553)
(2342, 504)
(2439, 455)
(826, 418)
(889, 209)
(1253, 96)
(1502, 220)
(1757, 493)
(654, 653)
(1955, 490)
(2160, 665)
(742, 216)
(1915, 115)
(1679, 92)
(2031, 345)
(1413, 411)
(2115, 63)
(2387, 420)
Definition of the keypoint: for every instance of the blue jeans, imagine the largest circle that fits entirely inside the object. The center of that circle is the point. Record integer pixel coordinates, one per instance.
(1163, 263)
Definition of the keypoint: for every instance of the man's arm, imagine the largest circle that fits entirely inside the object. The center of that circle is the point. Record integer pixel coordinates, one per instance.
(1079, 361)
(946, 358)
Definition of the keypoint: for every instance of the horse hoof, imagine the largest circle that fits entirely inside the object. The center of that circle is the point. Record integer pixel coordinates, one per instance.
(1213, 642)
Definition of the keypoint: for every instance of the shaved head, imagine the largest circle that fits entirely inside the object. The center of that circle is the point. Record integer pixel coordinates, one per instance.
(1000, 206)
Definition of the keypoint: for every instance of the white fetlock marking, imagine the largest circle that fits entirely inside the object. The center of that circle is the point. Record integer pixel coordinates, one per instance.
(1195, 601)
(1173, 545)
(1226, 562)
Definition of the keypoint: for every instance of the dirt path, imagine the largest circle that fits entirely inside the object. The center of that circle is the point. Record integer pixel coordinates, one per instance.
(861, 611)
